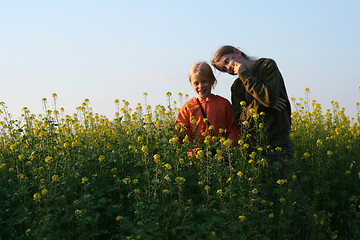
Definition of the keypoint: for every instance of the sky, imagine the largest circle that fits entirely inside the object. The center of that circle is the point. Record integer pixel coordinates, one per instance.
(107, 50)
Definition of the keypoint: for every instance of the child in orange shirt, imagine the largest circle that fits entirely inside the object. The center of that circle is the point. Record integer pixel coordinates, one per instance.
(216, 109)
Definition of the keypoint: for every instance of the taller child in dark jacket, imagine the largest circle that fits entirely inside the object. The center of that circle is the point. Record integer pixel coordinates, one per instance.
(261, 86)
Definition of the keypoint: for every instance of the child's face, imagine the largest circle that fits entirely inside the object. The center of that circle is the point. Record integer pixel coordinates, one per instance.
(227, 62)
(201, 86)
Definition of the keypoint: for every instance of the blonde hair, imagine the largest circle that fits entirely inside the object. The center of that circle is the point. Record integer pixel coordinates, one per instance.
(202, 69)
(227, 49)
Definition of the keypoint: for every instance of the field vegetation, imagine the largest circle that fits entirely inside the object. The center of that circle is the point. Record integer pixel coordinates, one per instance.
(83, 176)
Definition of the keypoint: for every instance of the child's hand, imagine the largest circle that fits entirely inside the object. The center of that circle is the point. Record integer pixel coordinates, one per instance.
(280, 104)
(238, 68)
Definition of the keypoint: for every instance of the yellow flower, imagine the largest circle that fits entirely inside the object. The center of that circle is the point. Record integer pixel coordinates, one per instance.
(281, 181)
(254, 191)
(145, 149)
(44, 191)
(242, 218)
(228, 142)
(186, 139)
(37, 196)
(240, 174)
(84, 180)
(48, 160)
(200, 154)
(166, 191)
(306, 155)
(135, 181)
(180, 180)
(119, 218)
(101, 158)
(156, 158)
(78, 213)
(243, 103)
(219, 192)
(207, 188)
(127, 180)
(245, 123)
(167, 166)
(271, 216)
(28, 232)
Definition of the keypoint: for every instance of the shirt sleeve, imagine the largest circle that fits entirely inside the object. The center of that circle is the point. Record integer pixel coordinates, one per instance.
(267, 89)
(183, 119)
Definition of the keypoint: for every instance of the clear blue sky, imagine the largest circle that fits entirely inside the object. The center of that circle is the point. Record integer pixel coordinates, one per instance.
(107, 50)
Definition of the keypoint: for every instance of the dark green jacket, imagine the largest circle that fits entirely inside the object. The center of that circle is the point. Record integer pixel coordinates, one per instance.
(260, 88)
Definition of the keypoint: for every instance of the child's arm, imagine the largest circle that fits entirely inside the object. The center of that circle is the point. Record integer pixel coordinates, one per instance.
(182, 123)
(237, 96)
(265, 90)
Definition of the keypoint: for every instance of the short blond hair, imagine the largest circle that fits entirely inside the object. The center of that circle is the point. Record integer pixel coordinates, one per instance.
(202, 69)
